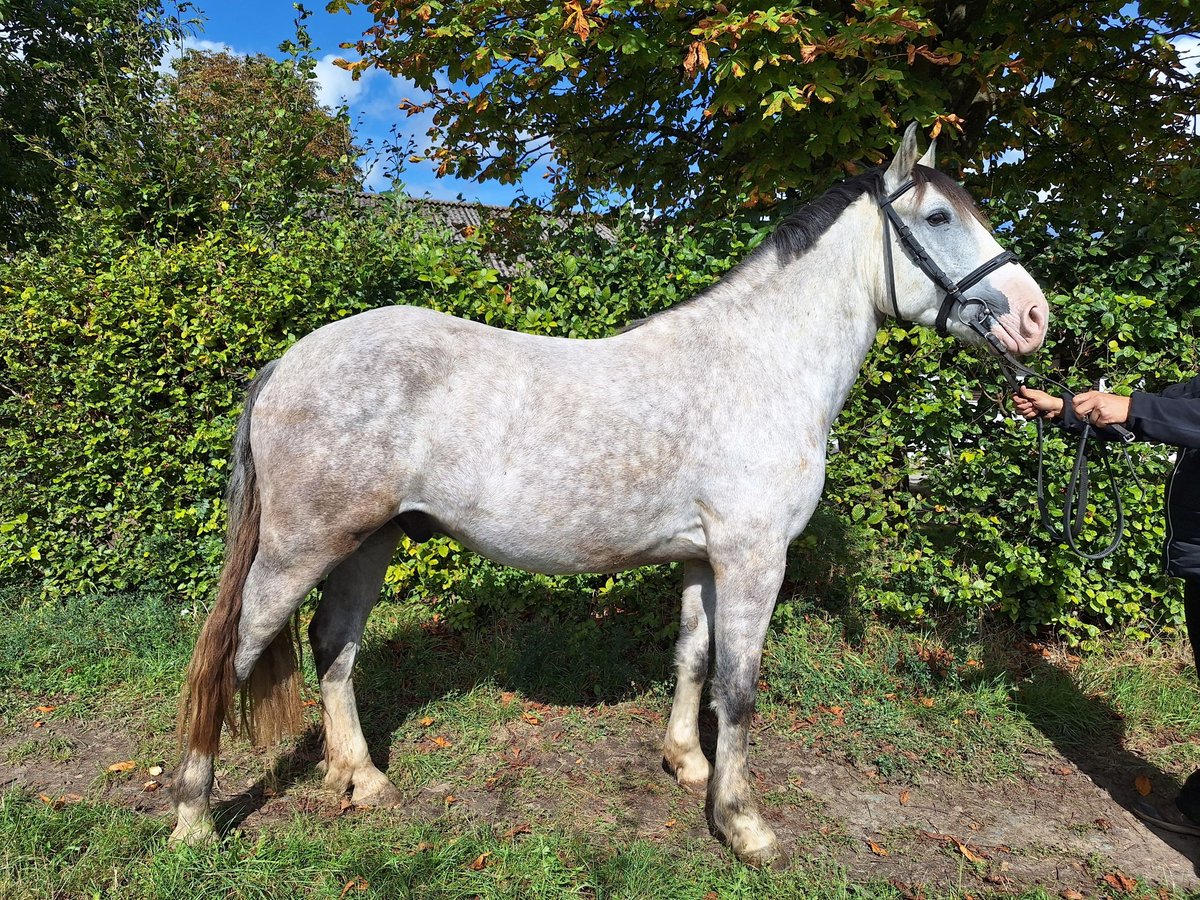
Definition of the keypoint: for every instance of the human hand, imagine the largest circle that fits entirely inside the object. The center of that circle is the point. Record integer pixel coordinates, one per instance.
(1032, 404)
(1101, 409)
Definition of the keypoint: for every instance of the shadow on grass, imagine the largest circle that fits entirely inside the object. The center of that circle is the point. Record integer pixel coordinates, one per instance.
(1086, 730)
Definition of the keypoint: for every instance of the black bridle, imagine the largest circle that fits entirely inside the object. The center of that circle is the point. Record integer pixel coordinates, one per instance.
(980, 317)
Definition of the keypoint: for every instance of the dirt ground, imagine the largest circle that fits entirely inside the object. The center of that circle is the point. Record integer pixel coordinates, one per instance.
(1058, 827)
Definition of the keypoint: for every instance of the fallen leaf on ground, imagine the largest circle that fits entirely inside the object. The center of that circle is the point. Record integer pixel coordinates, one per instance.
(1142, 783)
(530, 718)
(426, 721)
(523, 828)
(1121, 882)
(45, 709)
(51, 801)
(507, 697)
(151, 786)
(927, 702)
(904, 797)
(127, 766)
(966, 851)
(480, 861)
(1070, 894)
(39, 724)
(442, 742)
(451, 799)
(72, 798)
(670, 823)
(355, 884)
(876, 849)
(346, 804)
(423, 846)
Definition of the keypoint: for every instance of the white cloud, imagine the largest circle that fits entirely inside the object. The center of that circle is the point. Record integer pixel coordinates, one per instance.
(1188, 47)
(336, 86)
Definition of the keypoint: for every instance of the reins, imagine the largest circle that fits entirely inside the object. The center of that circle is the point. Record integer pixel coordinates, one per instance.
(1069, 527)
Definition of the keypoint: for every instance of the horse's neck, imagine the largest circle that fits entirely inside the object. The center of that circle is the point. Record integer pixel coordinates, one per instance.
(806, 322)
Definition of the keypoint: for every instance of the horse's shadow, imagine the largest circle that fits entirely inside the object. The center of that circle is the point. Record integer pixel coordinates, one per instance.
(603, 653)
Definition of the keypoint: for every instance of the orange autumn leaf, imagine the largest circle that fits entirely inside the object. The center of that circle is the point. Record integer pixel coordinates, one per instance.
(355, 884)
(480, 861)
(426, 721)
(927, 702)
(127, 766)
(523, 828)
(1121, 882)
(45, 709)
(530, 718)
(1142, 783)
(966, 851)
(876, 849)
(441, 741)
(670, 823)
(904, 797)
(696, 58)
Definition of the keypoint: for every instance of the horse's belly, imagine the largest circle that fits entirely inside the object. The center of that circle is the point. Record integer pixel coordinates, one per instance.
(558, 551)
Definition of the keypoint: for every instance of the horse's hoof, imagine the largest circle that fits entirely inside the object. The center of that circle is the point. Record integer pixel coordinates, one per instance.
(770, 856)
(380, 796)
(193, 834)
(690, 773)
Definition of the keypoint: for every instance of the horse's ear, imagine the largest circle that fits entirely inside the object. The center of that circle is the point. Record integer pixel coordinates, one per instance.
(906, 157)
(930, 158)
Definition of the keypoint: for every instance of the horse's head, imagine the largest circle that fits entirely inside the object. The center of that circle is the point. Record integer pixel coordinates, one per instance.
(947, 269)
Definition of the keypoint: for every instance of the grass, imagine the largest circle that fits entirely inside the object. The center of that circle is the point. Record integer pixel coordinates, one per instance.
(901, 703)
(93, 850)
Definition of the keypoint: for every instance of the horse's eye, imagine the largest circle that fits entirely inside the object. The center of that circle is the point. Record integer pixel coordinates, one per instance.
(940, 217)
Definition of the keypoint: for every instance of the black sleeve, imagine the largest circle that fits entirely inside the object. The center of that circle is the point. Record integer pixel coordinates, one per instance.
(1072, 423)
(1172, 417)
(1179, 391)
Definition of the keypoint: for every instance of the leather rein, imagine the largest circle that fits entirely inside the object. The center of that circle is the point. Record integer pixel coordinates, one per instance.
(976, 314)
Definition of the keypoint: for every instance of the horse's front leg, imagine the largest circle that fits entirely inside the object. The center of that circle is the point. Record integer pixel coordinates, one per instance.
(747, 584)
(681, 748)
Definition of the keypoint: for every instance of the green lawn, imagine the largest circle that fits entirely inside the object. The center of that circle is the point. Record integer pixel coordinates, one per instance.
(901, 704)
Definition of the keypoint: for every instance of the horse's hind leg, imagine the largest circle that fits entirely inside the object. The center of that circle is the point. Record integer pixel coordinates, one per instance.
(336, 633)
(282, 574)
(681, 748)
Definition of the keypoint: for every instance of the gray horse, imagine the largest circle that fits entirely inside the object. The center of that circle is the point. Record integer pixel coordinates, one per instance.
(696, 435)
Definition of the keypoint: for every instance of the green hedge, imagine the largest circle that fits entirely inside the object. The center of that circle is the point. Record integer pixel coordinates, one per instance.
(124, 361)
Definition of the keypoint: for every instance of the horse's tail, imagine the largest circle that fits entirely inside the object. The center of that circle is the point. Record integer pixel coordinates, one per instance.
(271, 696)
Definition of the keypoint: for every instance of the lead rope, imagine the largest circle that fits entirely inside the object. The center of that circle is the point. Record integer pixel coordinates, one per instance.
(1078, 486)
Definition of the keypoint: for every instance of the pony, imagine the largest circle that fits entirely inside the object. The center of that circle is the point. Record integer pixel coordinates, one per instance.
(697, 435)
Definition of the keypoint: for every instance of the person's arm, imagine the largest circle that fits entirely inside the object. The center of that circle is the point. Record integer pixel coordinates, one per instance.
(1106, 409)
(1172, 417)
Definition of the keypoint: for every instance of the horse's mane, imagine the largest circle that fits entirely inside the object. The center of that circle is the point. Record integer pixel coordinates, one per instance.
(799, 231)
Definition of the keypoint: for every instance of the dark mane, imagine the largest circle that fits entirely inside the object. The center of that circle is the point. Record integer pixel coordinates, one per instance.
(801, 229)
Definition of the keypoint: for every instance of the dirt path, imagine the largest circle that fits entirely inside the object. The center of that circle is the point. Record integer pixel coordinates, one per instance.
(1055, 828)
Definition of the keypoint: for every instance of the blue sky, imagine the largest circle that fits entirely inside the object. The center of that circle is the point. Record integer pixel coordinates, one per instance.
(258, 26)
